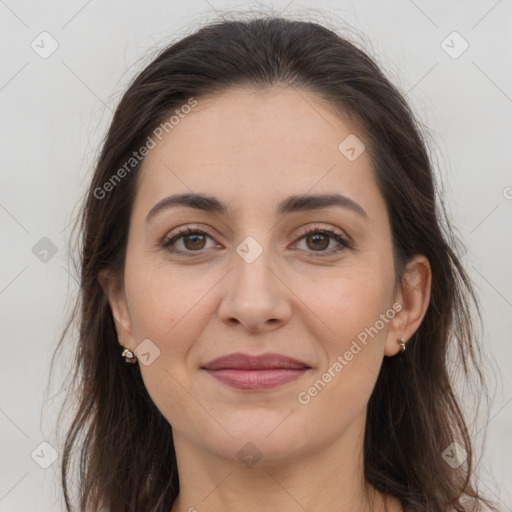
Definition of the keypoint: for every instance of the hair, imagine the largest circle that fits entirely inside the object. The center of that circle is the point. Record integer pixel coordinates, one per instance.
(127, 460)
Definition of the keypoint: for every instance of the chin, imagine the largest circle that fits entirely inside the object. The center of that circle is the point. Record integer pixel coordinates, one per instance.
(260, 444)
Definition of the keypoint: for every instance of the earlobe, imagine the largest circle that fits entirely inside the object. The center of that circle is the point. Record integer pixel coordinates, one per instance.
(414, 296)
(117, 302)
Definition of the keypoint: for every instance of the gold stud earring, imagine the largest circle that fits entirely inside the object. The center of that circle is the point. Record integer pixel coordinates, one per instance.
(128, 356)
(401, 342)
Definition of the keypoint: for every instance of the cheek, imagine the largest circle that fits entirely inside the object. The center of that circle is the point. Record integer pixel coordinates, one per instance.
(340, 388)
(166, 307)
(350, 304)
(354, 309)
(165, 303)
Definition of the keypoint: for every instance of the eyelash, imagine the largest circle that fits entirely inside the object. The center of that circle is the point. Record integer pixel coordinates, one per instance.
(168, 241)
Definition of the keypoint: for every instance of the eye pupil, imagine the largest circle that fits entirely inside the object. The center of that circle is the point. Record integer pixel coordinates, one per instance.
(316, 238)
(195, 237)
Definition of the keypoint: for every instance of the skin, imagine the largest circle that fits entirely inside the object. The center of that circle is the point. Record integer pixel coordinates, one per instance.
(251, 149)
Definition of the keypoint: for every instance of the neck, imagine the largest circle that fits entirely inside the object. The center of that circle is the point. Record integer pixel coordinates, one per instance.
(329, 478)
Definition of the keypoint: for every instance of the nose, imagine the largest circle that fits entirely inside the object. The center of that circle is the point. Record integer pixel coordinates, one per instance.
(255, 296)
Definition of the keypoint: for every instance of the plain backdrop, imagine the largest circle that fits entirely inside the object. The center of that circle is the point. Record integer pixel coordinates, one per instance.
(55, 108)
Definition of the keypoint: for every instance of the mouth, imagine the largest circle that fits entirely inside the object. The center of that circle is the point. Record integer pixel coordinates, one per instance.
(246, 372)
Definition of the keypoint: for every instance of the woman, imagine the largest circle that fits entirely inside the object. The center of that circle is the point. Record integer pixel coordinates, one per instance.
(268, 290)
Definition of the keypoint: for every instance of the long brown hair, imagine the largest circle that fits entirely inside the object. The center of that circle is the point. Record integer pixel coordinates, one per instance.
(126, 454)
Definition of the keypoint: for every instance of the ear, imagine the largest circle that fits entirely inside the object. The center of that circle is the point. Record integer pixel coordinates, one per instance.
(117, 301)
(414, 296)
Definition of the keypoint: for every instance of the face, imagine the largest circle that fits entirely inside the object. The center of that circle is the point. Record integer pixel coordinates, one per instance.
(313, 283)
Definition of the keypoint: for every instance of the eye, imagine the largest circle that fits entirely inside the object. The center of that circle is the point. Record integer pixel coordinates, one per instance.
(193, 241)
(319, 239)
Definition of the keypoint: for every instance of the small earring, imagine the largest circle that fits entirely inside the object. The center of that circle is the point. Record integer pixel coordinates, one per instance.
(401, 342)
(128, 356)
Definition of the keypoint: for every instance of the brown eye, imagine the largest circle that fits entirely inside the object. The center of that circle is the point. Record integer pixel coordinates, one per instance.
(317, 240)
(192, 240)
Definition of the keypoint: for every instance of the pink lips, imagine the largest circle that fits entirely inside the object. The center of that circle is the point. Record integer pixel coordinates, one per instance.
(266, 371)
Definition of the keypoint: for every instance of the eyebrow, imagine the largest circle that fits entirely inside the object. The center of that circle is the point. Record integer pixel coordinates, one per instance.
(292, 204)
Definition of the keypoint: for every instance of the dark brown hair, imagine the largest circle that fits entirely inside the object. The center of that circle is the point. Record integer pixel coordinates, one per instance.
(126, 454)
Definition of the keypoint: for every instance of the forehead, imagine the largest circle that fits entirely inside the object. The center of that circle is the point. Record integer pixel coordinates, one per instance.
(249, 147)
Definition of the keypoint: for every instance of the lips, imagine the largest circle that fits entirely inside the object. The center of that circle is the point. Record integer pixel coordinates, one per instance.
(256, 373)
(239, 361)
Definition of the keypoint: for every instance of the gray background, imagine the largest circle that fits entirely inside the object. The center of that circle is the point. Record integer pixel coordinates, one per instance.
(55, 111)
